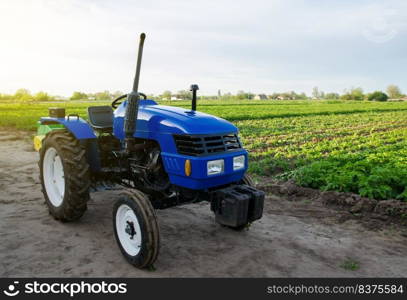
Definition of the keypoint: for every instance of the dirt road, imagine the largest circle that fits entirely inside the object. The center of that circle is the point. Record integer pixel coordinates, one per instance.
(292, 239)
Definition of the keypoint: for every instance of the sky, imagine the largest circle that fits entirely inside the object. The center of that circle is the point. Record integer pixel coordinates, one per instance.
(256, 46)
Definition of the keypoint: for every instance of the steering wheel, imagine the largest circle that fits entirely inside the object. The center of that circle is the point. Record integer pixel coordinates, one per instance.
(116, 102)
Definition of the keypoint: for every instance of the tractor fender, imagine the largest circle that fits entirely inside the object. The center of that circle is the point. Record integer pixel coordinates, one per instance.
(74, 124)
(81, 131)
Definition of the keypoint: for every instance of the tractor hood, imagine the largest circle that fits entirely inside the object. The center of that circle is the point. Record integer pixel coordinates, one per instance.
(175, 120)
(191, 122)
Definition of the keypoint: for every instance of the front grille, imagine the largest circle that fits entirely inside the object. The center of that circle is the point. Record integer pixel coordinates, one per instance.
(196, 145)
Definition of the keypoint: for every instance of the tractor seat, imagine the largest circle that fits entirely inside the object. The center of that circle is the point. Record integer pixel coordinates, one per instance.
(101, 117)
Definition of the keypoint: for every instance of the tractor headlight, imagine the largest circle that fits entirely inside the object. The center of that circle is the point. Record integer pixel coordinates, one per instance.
(238, 162)
(215, 166)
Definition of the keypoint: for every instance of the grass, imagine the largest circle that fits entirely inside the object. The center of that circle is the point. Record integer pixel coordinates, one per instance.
(350, 265)
(348, 146)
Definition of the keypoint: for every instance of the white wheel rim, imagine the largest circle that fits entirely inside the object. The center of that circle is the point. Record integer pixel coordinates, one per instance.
(125, 219)
(54, 181)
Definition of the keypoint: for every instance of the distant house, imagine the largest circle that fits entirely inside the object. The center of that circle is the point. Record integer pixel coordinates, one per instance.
(260, 97)
(175, 98)
(399, 99)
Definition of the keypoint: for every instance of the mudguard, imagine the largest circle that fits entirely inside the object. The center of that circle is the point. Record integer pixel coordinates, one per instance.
(77, 126)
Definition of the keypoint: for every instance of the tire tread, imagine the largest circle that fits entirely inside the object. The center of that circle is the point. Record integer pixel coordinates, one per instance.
(76, 173)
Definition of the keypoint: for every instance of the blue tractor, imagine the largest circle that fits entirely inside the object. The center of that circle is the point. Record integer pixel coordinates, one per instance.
(164, 156)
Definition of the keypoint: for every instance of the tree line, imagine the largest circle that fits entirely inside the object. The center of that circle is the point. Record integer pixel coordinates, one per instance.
(392, 92)
(25, 95)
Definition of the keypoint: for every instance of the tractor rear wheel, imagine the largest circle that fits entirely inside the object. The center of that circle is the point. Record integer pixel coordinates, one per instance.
(136, 229)
(64, 175)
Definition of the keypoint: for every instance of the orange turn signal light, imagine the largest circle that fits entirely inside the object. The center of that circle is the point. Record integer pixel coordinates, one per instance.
(188, 169)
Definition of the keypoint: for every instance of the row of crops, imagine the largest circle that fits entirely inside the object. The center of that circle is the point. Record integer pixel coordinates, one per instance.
(365, 153)
(356, 147)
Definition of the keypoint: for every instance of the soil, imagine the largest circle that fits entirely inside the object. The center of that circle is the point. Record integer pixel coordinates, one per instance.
(303, 233)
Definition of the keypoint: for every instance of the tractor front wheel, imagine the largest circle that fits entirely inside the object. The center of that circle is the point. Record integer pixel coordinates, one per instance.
(64, 175)
(248, 180)
(136, 229)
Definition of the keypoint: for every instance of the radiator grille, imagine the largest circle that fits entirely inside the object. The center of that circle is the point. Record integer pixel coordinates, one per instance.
(196, 145)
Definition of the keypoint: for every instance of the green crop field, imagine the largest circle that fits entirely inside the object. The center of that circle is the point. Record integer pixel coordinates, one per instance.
(347, 146)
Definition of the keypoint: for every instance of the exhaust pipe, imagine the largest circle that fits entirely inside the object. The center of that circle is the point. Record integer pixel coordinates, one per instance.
(130, 117)
(194, 88)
